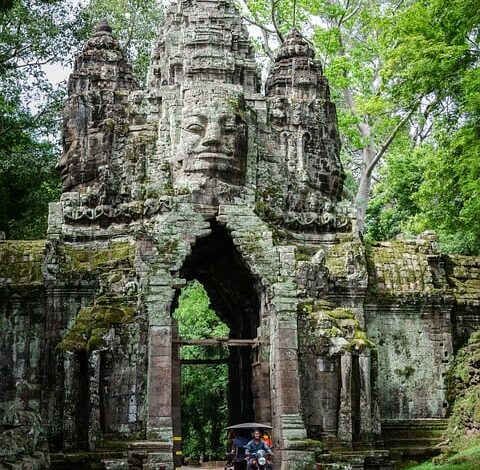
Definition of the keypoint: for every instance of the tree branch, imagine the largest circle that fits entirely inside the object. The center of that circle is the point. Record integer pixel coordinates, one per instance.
(274, 20)
(386, 144)
(266, 45)
(352, 13)
(398, 5)
(259, 25)
(344, 13)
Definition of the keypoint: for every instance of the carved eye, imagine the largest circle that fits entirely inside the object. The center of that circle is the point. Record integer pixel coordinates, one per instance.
(230, 126)
(195, 127)
(230, 129)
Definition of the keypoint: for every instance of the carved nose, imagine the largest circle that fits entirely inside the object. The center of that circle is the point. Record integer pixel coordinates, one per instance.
(212, 135)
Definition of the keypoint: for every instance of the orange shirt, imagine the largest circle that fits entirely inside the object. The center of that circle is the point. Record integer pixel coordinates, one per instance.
(266, 438)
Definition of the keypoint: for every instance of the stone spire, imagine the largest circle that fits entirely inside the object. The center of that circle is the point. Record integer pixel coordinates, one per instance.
(203, 68)
(98, 90)
(295, 68)
(102, 63)
(203, 41)
(305, 144)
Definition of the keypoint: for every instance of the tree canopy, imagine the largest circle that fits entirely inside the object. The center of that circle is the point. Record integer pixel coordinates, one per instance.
(30, 31)
(404, 76)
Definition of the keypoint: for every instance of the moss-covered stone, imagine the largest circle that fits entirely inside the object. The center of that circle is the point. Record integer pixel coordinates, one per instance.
(329, 321)
(463, 393)
(305, 253)
(79, 259)
(21, 262)
(93, 323)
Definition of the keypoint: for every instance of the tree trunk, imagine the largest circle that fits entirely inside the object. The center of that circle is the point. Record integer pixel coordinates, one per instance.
(363, 193)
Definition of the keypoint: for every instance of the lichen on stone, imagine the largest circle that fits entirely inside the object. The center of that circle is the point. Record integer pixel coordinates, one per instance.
(21, 262)
(332, 322)
(87, 333)
(78, 260)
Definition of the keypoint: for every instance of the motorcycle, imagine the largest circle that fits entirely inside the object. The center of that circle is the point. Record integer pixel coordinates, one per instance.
(237, 438)
(261, 461)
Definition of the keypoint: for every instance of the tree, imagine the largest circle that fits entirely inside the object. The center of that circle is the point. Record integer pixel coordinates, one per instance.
(393, 202)
(134, 24)
(30, 31)
(347, 36)
(203, 387)
(436, 55)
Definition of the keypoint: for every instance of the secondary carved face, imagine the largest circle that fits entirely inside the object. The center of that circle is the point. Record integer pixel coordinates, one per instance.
(82, 152)
(212, 140)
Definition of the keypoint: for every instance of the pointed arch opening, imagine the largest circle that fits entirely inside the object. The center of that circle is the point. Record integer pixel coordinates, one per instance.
(216, 268)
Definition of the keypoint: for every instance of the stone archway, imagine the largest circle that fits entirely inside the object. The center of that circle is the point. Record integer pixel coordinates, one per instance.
(217, 265)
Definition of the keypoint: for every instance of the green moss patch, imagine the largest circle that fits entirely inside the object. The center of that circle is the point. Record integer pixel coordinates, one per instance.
(93, 323)
(78, 260)
(468, 459)
(463, 393)
(21, 262)
(329, 321)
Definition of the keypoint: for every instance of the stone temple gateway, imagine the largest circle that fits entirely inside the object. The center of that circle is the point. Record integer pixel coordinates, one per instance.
(342, 347)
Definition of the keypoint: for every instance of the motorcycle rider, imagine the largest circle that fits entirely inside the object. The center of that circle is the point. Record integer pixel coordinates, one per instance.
(254, 446)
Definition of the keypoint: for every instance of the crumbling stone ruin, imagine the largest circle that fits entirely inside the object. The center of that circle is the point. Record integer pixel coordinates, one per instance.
(343, 347)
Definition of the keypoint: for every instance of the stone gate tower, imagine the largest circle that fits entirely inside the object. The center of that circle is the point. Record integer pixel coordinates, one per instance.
(202, 176)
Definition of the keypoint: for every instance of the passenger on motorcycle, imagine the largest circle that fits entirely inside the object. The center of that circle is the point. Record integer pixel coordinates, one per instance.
(253, 447)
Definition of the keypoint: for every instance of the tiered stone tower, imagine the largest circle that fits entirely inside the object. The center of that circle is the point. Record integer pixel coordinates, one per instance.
(201, 176)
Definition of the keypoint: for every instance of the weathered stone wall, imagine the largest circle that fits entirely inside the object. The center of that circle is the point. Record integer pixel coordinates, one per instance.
(22, 320)
(102, 350)
(464, 277)
(202, 176)
(420, 307)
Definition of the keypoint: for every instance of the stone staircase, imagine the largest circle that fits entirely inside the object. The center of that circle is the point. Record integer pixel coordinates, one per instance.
(337, 456)
(114, 455)
(417, 439)
(355, 460)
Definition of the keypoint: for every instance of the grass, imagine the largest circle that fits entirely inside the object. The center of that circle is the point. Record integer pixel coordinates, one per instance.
(468, 459)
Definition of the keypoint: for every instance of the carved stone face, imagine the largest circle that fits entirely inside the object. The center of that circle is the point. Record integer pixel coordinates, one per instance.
(77, 165)
(212, 139)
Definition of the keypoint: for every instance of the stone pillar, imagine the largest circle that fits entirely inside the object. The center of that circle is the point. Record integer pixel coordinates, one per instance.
(366, 409)
(176, 399)
(159, 392)
(94, 399)
(287, 420)
(159, 383)
(345, 424)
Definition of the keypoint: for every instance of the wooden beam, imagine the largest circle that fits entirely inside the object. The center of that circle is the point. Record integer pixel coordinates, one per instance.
(194, 362)
(217, 342)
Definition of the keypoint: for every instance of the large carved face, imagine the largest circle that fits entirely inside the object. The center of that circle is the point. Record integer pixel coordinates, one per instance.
(83, 152)
(212, 138)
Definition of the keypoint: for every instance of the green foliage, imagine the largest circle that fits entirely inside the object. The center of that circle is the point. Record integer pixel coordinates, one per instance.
(393, 203)
(434, 48)
(448, 196)
(30, 31)
(204, 387)
(134, 24)
(435, 56)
